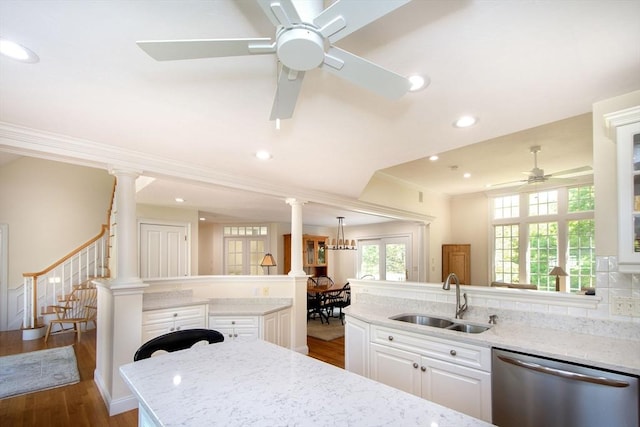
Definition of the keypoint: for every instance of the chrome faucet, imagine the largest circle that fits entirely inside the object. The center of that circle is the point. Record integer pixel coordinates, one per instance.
(460, 309)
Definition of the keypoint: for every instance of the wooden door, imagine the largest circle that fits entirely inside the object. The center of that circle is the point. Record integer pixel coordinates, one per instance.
(457, 259)
(163, 250)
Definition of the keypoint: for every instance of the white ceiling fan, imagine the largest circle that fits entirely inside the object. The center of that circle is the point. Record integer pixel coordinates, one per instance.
(537, 175)
(304, 39)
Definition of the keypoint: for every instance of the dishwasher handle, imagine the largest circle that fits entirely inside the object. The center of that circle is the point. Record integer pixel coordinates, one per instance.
(564, 374)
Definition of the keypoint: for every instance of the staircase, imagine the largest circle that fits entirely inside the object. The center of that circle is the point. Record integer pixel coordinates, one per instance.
(49, 287)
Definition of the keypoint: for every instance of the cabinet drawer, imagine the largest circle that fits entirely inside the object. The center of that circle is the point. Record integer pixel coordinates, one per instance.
(170, 314)
(239, 334)
(233, 321)
(438, 348)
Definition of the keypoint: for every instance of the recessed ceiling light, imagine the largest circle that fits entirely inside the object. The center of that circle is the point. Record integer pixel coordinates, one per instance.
(418, 82)
(18, 52)
(202, 218)
(465, 121)
(179, 200)
(467, 175)
(263, 155)
(433, 158)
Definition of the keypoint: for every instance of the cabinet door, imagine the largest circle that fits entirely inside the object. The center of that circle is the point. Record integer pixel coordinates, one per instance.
(457, 259)
(628, 148)
(270, 328)
(153, 330)
(356, 349)
(464, 389)
(395, 368)
(284, 328)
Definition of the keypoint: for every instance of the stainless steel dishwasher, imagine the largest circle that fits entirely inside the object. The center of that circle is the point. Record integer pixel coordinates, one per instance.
(531, 391)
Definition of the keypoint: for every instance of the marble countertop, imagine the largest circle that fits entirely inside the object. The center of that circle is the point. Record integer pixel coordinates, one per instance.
(245, 309)
(601, 352)
(260, 384)
(152, 302)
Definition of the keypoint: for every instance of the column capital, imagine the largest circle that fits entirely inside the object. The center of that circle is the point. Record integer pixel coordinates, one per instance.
(293, 201)
(118, 170)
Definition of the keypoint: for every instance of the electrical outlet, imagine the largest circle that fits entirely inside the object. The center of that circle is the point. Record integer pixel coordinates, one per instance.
(265, 291)
(625, 306)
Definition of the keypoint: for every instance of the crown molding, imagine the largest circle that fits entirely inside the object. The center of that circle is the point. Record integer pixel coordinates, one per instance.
(51, 146)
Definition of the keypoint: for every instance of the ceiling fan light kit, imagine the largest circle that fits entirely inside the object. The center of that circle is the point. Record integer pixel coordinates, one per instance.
(304, 39)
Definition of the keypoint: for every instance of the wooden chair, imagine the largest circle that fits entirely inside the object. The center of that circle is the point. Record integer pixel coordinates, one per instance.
(178, 340)
(340, 299)
(80, 307)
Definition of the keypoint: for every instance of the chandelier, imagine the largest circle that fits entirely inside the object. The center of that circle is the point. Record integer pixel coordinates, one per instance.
(340, 243)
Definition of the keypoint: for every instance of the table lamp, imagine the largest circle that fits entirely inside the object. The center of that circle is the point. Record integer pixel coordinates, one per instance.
(268, 262)
(557, 271)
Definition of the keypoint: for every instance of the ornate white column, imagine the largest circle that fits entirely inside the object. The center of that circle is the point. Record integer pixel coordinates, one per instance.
(296, 237)
(119, 331)
(126, 227)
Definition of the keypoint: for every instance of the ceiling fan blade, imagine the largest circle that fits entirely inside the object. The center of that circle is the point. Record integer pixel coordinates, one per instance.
(280, 12)
(583, 170)
(170, 50)
(284, 102)
(346, 16)
(365, 74)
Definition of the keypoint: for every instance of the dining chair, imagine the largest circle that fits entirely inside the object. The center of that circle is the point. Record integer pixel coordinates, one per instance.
(340, 299)
(177, 340)
(79, 308)
(316, 305)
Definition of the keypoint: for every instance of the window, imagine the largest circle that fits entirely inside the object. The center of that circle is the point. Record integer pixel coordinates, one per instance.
(245, 247)
(534, 232)
(506, 263)
(384, 259)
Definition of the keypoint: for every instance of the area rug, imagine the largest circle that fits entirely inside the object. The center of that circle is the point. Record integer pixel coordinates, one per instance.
(38, 370)
(325, 332)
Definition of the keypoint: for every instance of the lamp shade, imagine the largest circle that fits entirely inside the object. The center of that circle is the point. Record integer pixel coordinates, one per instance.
(558, 271)
(268, 261)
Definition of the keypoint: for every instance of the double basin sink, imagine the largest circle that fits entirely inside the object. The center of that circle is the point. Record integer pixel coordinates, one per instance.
(438, 322)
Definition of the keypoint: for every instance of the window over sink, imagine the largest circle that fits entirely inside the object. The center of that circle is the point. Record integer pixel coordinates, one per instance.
(538, 230)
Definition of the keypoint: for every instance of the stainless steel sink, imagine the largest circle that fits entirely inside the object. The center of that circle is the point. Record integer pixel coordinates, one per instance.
(439, 322)
(419, 319)
(469, 329)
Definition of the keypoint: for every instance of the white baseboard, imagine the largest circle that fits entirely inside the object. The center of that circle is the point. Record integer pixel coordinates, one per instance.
(303, 349)
(117, 406)
(33, 334)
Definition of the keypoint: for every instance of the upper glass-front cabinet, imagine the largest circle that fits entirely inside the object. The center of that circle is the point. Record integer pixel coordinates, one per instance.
(627, 136)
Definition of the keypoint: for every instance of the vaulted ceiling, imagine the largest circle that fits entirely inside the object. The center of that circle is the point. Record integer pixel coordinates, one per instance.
(96, 98)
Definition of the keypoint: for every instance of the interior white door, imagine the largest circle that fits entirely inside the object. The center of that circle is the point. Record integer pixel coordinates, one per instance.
(163, 250)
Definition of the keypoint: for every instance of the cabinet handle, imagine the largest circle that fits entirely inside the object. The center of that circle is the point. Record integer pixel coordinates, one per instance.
(233, 322)
(175, 314)
(230, 335)
(235, 335)
(415, 365)
(178, 328)
(452, 352)
(172, 328)
(390, 337)
(423, 368)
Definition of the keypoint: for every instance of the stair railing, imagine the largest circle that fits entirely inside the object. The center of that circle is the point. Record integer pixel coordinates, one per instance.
(45, 288)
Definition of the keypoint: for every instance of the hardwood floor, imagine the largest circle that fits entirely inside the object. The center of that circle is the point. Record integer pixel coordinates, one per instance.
(73, 405)
(81, 404)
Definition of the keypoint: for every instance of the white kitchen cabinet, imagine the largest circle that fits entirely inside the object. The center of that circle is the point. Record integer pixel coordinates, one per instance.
(276, 328)
(236, 328)
(356, 356)
(273, 327)
(453, 374)
(624, 129)
(159, 322)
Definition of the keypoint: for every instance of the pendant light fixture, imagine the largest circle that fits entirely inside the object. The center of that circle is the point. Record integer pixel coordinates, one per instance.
(340, 243)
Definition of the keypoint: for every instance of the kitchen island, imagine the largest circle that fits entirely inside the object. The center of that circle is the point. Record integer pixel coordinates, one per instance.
(260, 384)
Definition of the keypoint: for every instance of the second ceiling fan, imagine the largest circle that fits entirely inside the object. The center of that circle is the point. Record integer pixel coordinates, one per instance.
(304, 38)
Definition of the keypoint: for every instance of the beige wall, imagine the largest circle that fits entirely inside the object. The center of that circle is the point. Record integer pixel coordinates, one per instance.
(605, 180)
(51, 208)
(397, 194)
(470, 214)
